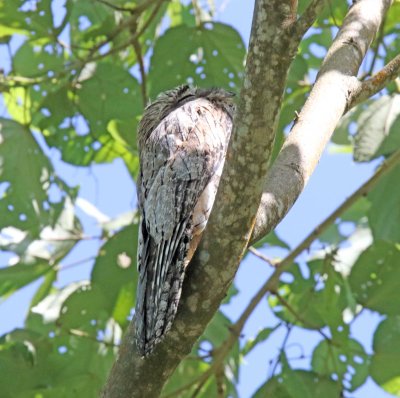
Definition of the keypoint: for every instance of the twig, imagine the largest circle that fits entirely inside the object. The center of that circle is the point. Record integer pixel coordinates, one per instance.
(258, 254)
(132, 10)
(197, 12)
(139, 56)
(308, 17)
(151, 17)
(371, 86)
(72, 238)
(74, 264)
(81, 333)
(285, 340)
(120, 28)
(191, 383)
(118, 8)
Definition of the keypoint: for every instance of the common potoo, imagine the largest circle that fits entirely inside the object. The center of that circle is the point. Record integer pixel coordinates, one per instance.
(182, 139)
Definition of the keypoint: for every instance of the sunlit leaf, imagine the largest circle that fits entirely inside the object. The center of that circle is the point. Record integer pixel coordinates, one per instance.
(32, 196)
(209, 55)
(374, 126)
(385, 361)
(298, 383)
(374, 278)
(384, 214)
(346, 361)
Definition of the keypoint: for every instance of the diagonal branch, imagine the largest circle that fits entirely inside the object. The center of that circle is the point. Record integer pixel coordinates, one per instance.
(328, 100)
(308, 17)
(376, 83)
(272, 283)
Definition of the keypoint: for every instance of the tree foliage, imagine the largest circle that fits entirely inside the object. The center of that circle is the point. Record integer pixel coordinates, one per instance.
(80, 73)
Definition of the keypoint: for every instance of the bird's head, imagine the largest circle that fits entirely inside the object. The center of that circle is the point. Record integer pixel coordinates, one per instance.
(170, 100)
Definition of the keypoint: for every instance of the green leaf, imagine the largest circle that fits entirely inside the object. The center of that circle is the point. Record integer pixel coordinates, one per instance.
(108, 93)
(384, 214)
(307, 301)
(37, 255)
(15, 277)
(12, 21)
(87, 310)
(90, 23)
(292, 104)
(347, 361)
(272, 239)
(188, 370)
(122, 220)
(83, 150)
(209, 55)
(31, 60)
(375, 124)
(298, 383)
(217, 330)
(232, 292)
(342, 135)
(45, 287)
(333, 15)
(181, 14)
(298, 70)
(374, 278)
(392, 17)
(357, 211)
(27, 178)
(114, 273)
(332, 235)
(392, 142)
(113, 287)
(385, 361)
(61, 366)
(53, 110)
(42, 316)
(37, 20)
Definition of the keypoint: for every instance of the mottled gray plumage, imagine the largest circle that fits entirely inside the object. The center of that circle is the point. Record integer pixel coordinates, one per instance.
(182, 139)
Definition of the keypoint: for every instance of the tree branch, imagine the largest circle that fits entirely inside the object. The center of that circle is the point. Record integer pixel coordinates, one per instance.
(272, 283)
(328, 100)
(376, 83)
(261, 256)
(143, 86)
(308, 17)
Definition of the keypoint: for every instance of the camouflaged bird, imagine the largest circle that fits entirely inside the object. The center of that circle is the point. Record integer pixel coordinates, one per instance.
(182, 139)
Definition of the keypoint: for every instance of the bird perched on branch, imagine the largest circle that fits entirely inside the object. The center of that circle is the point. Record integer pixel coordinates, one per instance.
(182, 139)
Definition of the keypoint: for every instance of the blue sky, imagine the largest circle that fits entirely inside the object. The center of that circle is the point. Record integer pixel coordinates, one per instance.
(109, 189)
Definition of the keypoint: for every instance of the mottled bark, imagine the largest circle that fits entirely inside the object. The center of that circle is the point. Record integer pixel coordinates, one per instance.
(271, 49)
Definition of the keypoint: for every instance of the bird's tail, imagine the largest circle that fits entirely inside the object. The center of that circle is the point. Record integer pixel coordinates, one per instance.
(162, 269)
